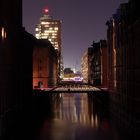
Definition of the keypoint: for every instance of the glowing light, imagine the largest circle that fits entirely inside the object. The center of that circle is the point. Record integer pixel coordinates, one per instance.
(56, 28)
(46, 10)
(2, 32)
(36, 29)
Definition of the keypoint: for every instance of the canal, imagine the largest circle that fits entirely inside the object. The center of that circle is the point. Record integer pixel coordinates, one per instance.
(73, 116)
(65, 116)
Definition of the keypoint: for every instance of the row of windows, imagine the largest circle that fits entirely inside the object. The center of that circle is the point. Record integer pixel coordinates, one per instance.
(48, 23)
(48, 35)
(51, 38)
(50, 31)
(54, 32)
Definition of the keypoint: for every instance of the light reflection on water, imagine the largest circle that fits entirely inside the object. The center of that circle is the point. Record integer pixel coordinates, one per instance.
(77, 117)
(76, 108)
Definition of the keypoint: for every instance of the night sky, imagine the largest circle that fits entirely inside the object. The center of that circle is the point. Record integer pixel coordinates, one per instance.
(82, 22)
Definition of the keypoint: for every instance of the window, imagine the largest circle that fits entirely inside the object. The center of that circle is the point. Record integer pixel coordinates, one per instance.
(3, 33)
(37, 29)
(56, 28)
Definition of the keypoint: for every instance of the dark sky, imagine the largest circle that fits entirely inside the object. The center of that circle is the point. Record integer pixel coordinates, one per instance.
(82, 22)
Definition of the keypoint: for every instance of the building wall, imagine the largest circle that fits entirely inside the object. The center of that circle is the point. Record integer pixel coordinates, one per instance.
(85, 67)
(95, 64)
(133, 70)
(44, 65)
(123, 42)
(98, 64)
(104, 63)
(40, 67)
(8, 41)
(15, 68)
(117, 66)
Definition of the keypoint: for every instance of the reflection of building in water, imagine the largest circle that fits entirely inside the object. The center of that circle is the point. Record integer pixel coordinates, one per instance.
(93, 111)
(75, 108)
(78, 106)
(56, 106)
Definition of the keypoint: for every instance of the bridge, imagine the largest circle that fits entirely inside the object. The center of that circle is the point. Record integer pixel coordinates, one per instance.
(72, 89)
(101, 95)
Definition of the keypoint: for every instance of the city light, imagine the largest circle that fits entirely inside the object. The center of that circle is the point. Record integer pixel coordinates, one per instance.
(2, 32)
(46, 10)
(49, 28)
(73, 79)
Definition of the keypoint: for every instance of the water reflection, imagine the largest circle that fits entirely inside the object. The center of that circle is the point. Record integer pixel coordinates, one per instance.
(76, 108)
(77, 117)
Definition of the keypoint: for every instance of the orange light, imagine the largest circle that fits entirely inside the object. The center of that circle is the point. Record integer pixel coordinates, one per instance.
(2, 32)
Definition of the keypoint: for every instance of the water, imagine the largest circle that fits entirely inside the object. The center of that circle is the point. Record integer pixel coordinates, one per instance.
(68, 116)
(74, 108)
(77, 117)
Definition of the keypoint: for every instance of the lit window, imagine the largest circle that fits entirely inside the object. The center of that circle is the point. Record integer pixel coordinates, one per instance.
(37, 36)
(53, 36)
(50, 31)
(46, 34)
(113, 23)
(56, 45)
(37, 29)
(3, 33)
(56, 28)
(43, 37)
(46, 25)
(43, 23)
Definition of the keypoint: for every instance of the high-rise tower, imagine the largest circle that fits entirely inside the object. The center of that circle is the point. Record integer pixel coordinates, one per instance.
(50, 29)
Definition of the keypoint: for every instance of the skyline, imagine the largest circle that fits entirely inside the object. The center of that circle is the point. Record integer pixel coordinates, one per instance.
(82, 23)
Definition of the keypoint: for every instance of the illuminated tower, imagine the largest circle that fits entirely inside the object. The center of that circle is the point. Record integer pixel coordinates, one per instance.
(50, 29)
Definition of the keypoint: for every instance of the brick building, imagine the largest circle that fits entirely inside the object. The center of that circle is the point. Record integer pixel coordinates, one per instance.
(44, 64)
